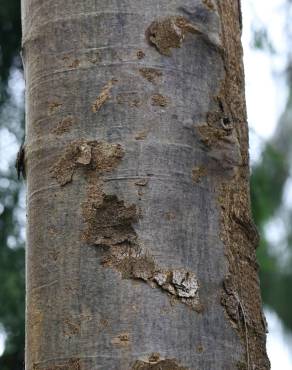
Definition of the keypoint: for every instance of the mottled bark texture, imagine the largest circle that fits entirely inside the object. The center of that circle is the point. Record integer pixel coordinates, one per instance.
(141, 246)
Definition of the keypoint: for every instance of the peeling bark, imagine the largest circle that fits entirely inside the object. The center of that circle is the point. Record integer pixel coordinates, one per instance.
(140, 241)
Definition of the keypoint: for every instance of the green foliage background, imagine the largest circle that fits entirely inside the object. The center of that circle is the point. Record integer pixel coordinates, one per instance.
(267, 182)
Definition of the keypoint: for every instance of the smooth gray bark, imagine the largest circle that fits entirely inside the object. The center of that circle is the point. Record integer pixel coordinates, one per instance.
(140, 244)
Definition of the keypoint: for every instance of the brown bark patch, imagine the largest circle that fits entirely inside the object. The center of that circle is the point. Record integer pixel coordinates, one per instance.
(72, 364)
(54, 106)
(121, 340)
(103, 96)
(170, 216)
(159, 100)
(71, 63)
(95, 156)
(132, 99)
(140, 54)
(211, 136)
(198, 173)
(141, 135)
(167, 364)
(142, 182)
(165, 35)
(71, 327)
(168, 33)
(152, 75)
(74, 64)
(64, 126)
(209, 4)
(199, 349)
(109, 220)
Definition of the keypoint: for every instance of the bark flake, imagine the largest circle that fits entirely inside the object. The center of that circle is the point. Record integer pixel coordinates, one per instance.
(121, 340)
(103, 96)
(152, 75)
(197, 173)
(96, 156)
(159, 100)
(209, 4)
(169, 33)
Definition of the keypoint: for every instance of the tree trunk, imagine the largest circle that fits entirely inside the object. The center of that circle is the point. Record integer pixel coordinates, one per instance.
(140, 243)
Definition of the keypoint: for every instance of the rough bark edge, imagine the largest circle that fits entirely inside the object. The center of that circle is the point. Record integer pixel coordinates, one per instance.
(241, 294)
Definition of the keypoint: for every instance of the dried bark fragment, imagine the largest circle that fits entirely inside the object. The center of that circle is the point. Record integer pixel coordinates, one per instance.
(94, 155)
(169, 33)
(211, 136)
(103, 96)
(142, 182)
(141, 135)
(109, 221)
(130, 98)
(159, 100)
(53, 106)
(151, 74)
(209, 4)
(198, 173)
(221, 142)
(71, 327)
(178, 282)
(140, 54)
(121, 340)
(71, 63)
(167, 364)
(165, 35)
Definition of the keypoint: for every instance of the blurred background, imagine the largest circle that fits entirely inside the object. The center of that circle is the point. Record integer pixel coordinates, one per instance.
(268, 68)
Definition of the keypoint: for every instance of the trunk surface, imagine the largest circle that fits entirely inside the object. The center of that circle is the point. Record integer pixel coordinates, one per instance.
(140, 242)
